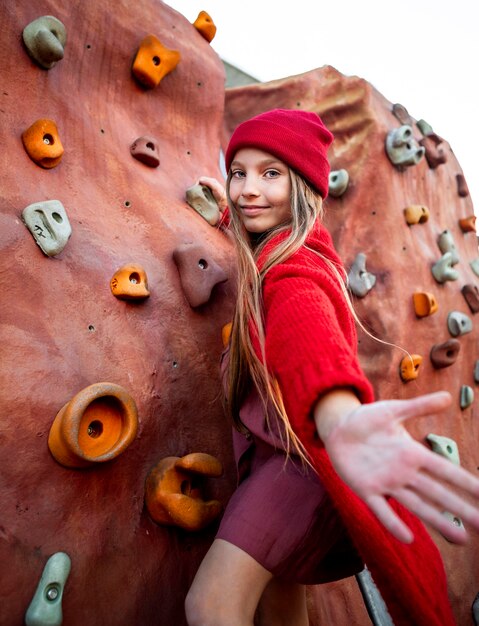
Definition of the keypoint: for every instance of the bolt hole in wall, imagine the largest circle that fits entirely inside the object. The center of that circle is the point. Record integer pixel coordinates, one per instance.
(91, 328)
(127, 204)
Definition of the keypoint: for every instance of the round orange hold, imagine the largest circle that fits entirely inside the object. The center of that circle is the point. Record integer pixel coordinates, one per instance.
(42, 143)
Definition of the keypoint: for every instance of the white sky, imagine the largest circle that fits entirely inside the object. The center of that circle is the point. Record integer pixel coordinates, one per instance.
(421, 53)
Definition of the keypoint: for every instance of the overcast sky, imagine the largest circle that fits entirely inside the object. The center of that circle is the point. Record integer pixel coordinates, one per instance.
(421, 53)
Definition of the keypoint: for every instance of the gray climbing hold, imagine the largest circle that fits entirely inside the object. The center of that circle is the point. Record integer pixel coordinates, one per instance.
(458, 323)
(360, 281)
(45, 40)
(445, 447)
(475, 610)
(401, 147)
(338, 183)
(201, 199)
(442, 270)
(424, 127)
(457, 521)
(46, 606)
(446, 244)
(475, 266)
(476, 372)
(49, 225)
(373, 601)
(401, 114)
(466, 396)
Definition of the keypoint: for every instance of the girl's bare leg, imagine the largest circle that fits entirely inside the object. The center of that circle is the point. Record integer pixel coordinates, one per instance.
(228, 587)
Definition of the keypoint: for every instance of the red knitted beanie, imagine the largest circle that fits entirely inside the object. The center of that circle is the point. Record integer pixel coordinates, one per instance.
(298, 138)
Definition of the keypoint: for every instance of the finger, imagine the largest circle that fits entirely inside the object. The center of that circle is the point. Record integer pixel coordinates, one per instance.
(430, 489)
(431, 515)
(445, 470)
(420, 406)
(389, 519)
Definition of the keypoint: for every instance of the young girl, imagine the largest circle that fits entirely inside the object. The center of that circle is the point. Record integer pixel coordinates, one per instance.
(323, 469)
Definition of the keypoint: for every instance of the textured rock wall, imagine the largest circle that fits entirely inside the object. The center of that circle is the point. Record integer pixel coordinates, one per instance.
(369, 218)
(62, 328)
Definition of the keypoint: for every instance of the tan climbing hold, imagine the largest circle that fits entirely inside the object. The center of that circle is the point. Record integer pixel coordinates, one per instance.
(205, 26)
(424, 303)
(95, 426)
(226, 333)
(42, 143)
(409, 368)
(172, 493)
(416, 214)
(153, 62)
(130, 283)
(468, 224)
(201, 199)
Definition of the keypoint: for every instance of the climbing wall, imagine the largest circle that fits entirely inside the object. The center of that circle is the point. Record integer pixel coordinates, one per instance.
(402, 219)
(115, 293)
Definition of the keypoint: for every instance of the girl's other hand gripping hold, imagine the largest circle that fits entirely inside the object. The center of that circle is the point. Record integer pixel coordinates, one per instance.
(375, 455)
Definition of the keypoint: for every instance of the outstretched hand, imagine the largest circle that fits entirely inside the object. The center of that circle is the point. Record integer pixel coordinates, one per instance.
(376, 456)
(217, 189)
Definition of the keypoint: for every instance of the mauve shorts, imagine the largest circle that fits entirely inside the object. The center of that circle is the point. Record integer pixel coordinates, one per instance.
(281, 516)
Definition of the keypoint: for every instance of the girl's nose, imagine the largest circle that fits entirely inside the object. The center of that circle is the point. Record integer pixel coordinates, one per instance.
(250, 187)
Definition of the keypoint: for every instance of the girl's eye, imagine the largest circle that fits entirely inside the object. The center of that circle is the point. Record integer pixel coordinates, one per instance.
(237, 173)
(272, 173)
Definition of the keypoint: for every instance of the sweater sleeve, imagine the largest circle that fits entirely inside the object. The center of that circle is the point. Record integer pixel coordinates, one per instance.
(311, 340)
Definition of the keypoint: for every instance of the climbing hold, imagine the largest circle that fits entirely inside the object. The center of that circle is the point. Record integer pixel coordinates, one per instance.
(172, 491)
(338, 183)
(446, 244)
(416, 214)
(205, 26)
(468, 224)
(153, 62)
(360, 281)
(435, 154)
(425, 127)
(45, 40)
(226, 334)
(475, 610)
(401, 147)
(199, 273)
(42, 143)
(201, 199)
(445, 447)
(45, 609)
(424, 303)
(445, 354)
(48, 222)
(475, 266)
(476, 372)
(442, 270)
(471, 295)
(466, 396)
(402, 114)
(95, 426)
(462, 188)
(130, 283)
(409, 367)
(458, 323)
(454, 520)
(145, 149)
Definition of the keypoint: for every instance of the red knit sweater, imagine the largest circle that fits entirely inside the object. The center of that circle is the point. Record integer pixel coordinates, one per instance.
(310, 349)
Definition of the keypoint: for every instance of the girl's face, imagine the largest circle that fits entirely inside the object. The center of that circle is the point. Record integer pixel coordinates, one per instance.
(260, 189)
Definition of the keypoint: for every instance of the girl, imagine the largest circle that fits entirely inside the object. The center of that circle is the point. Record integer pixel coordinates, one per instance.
(319, 462)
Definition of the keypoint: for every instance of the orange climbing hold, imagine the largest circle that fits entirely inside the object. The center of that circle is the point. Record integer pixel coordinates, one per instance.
(172, 494)
(416, 214)
(153, 62)
(130, 283)
(205, 26)
(226, 333)
(468, 224)
(424, 303)
(409, 368)
(95, 426)
(42, 143)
